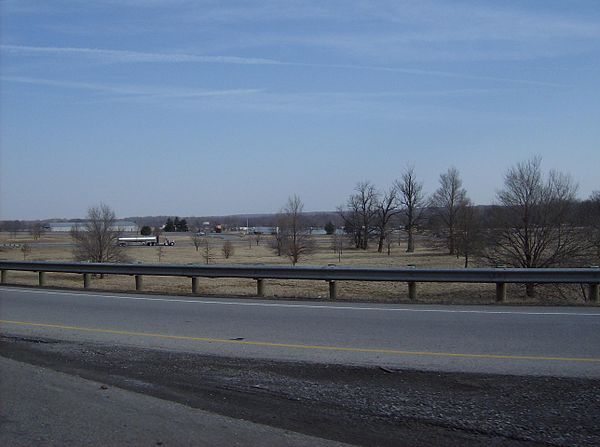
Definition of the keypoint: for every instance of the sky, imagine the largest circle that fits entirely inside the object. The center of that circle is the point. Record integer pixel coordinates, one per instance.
(196, 108)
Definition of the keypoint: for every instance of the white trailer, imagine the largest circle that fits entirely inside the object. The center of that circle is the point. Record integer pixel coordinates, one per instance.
(144, 240)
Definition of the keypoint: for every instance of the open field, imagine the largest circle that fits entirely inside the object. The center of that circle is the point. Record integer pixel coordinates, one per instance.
(56, 247)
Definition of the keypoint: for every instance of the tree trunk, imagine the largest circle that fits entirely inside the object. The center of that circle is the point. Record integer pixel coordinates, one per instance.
(380, 244)
(451, 249)
(411, 241)
(530, 290)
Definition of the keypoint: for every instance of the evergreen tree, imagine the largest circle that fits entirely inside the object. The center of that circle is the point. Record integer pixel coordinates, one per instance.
(183, 226)
(169, 226)
(329, 227)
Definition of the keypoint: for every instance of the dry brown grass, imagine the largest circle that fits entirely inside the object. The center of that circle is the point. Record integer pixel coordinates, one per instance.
(53, 247)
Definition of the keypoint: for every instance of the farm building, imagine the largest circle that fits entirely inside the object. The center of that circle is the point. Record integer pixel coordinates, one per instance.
(121, 225)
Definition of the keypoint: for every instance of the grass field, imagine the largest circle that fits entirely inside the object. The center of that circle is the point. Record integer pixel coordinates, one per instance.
(56, 247)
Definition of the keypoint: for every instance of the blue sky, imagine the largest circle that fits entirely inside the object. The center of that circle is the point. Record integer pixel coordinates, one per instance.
(221, 107)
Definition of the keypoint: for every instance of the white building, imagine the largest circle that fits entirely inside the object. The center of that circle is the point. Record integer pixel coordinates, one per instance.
(120, 225)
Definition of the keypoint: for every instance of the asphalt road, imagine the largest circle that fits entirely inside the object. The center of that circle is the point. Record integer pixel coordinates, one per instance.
(490, 339)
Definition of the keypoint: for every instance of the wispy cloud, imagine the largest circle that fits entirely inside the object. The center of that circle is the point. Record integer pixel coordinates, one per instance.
(403, 31)
(391, 30)
(125, 56)
(178, 92)
(385, 104)
(133, 90)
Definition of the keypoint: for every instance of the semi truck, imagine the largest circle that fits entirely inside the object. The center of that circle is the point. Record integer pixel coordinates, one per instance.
(144, 240)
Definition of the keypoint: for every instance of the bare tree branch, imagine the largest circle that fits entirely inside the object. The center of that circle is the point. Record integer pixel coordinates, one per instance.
(97, 239)
(412, 202)
(359, 218)
(294, 235)
(447, 200)
(387, 209)
(534, 227)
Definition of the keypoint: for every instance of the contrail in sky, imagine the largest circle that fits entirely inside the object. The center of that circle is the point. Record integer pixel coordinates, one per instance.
(125, 56)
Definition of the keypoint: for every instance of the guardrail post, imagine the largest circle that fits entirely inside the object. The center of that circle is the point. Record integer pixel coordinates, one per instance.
(42, 279)
(412, 290)
(260, 287)
(138, 282)
(3, 277)
(594, 295)
(195, 285)
(500, 292)
(332, 290)
(86, 280)
(412, 286)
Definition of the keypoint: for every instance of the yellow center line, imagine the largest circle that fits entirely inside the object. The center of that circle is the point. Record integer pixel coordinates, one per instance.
(299, 346)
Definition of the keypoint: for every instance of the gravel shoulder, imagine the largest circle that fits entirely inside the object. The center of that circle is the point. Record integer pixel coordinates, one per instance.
(40, 406)
(355, 405)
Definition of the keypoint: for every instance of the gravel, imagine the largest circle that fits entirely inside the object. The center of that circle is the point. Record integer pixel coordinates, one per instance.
(358, 405)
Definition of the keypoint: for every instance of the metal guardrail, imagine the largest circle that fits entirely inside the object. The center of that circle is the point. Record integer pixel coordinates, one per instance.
(412, 276)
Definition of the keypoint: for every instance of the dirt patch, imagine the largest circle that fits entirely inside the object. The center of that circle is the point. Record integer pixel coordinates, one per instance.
(359, 405)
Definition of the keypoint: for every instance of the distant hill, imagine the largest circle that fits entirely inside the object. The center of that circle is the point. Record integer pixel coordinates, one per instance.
(315, 219)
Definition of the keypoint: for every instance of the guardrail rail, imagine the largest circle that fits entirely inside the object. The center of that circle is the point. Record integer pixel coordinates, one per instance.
(499, 276)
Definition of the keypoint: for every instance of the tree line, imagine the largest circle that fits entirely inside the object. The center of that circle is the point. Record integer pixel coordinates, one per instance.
(536, 220)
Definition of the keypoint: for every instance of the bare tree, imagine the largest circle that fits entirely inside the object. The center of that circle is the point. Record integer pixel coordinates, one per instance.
(388, 242)
(277, 240)
(593, 220)
(359, 218)
(447, 200)
(13, 227)
(227, 249)
(207, 250)
(36, 230)
(97, 239)
(25, 250)
(412, 202)
(337, 244)
(295, 238)
(352, 227)
(196, 240)
(469, 240)
(159, 253)
(387, 209)
(533, 221)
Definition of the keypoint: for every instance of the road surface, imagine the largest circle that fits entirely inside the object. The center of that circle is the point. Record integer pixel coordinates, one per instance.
(540, 341)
